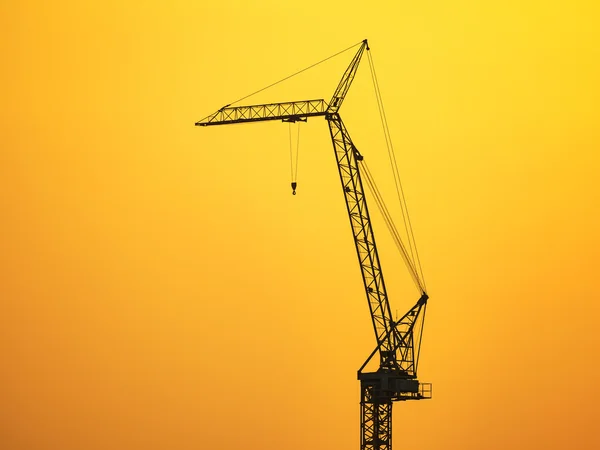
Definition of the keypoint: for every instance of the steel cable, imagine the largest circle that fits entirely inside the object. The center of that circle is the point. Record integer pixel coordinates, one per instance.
(371, 184)
(297, 73)
(399, 189)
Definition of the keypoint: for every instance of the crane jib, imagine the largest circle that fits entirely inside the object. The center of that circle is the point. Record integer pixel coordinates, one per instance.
(286, 111)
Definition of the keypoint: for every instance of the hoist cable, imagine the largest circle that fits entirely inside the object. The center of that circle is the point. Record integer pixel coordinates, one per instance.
(294, 167)
(297, 150)
(396, 237)
(397, 181)
(398, 240)
(291, 153)
(371, 184)
(389, 146)
(394, 164)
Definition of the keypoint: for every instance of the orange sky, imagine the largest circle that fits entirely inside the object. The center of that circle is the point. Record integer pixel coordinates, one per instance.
(162, 288)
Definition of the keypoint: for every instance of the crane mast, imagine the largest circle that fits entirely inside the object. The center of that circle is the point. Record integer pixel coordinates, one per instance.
(397, 342)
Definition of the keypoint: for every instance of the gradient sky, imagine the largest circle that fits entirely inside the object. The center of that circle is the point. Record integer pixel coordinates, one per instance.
(162, 289)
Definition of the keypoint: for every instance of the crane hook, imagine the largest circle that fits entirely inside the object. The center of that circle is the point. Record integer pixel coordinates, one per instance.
(294, 184)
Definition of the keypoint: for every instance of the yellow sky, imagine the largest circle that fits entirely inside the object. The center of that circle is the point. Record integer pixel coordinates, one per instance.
(162, 288)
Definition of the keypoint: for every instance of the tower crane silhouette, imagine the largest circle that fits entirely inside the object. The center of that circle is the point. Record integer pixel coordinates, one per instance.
(397, 341)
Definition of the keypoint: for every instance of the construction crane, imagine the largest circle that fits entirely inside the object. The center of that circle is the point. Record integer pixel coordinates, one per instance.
(397, 341)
